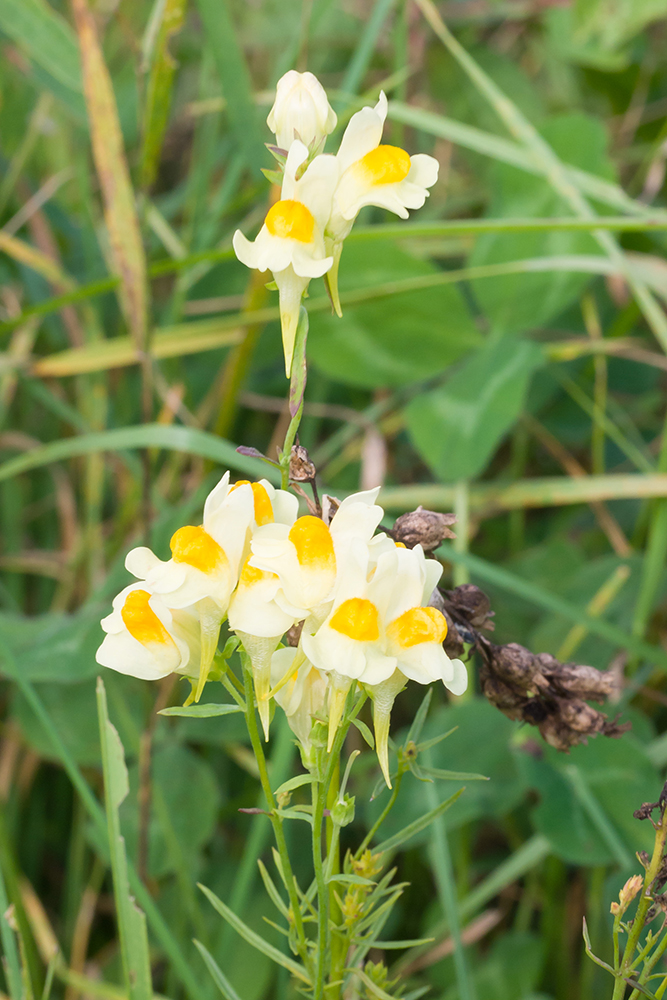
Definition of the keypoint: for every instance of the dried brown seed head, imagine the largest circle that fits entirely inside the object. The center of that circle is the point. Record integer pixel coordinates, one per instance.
(301, 469)
(427, 528)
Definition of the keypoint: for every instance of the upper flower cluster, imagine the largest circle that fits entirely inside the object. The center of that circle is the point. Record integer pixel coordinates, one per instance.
(322, 194)
(362, 600)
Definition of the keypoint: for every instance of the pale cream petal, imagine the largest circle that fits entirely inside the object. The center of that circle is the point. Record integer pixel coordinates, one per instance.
(216, 497)
(297, 155)
(246, 250)
(121, 652)
(141, 561)
(458, 684)
(423, 170)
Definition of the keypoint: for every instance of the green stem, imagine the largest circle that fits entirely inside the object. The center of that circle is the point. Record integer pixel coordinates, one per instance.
(276, 821)
(318, 798)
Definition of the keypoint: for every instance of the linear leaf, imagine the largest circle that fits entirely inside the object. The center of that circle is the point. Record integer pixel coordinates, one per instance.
(417, 825)
(159, 87)
(296, 782)
(23, 253)
(109, 155)
(217, 975)
(252, 938)
(236, 84)
(200, 711)
(443, 775)
(131, 920)
(46, 36)
(187, 439)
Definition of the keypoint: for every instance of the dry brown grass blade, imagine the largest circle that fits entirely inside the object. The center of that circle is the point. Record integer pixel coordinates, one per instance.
(120, 210)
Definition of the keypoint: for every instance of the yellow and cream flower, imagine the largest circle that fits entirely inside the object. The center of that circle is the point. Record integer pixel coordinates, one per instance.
(370, 173)
(301, 697)
(146, 639)
(301, 111)
(378, 624)
(306, 557)
(206, 559)
(290, 244)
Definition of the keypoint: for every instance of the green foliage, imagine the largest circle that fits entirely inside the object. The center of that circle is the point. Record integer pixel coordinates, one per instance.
(470, 375)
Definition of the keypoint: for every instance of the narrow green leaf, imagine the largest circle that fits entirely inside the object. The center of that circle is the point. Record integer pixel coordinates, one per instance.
(254, 939)
(45, 36)
(350, 880)
(296, 782)
(271, 889)
(365, 732)
(175, 438)
(131, 920)
(420, 718)
(159, 87)
(120, 210)
(537, 595)
(217, 975)
(10, 952)
(443, 775)
(366, 46)
(395, 945)
(417, 825)
(230, 61)
(200, 711)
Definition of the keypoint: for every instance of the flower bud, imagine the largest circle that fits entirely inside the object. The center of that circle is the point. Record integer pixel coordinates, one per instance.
(342, 813)
(300, 111)
(630, 890)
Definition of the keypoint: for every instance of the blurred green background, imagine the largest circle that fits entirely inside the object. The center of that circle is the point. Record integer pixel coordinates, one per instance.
(512, 370)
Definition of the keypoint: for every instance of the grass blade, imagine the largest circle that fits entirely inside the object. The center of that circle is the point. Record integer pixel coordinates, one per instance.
(417, 825)
(254, 939)
(23, 253)
(511, 152)
(160, 928)
(173, 437)
(158, 89)
(120, 212)
(537, 595)
(554, 170)
(46, 36)
(235, 79)
(366, 46)
(207, 711)
(217, 975)
(131, 921)
(10, 952)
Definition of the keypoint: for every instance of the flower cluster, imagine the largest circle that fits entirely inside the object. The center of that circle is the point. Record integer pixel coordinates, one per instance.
(322, 194)
(360, 598)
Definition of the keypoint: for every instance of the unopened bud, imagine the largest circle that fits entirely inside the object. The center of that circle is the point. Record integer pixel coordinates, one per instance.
(630, 890)
(301, 469)
(615, 909)
(300, 111)
(342, 813)
(427, 528)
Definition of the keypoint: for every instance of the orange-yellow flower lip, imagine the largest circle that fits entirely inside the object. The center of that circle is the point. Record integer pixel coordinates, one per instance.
(416, 626)
(385, 165)
(141, 621)
(197, 548)
(358, 619)
(291, 220)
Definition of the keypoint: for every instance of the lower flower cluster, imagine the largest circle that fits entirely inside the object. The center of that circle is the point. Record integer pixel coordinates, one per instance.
(360, 600)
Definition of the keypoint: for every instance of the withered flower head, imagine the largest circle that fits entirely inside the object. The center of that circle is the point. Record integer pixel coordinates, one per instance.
(301, 469)
(427, 528)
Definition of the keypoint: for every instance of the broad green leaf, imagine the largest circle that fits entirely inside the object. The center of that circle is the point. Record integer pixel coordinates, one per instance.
(191, 800)
(392, 341)
(524, 302)
(120, 211)
(457, 427)
(619, 775)
(205, 711)
(55, 647)
(45, 36)
(131, 920)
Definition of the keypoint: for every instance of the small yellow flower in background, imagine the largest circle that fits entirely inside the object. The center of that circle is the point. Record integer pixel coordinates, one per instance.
(146, 639)
(301, 111)
(290, 244)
